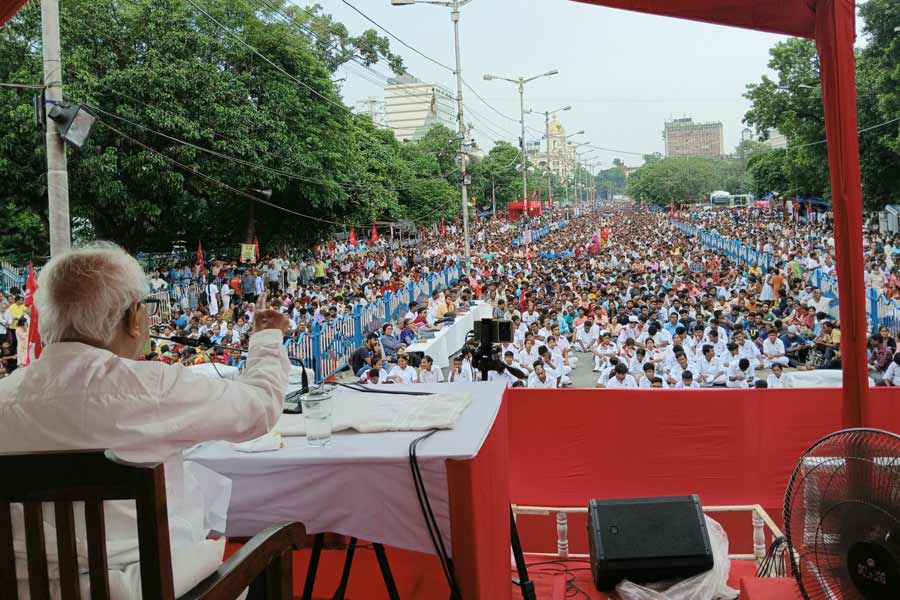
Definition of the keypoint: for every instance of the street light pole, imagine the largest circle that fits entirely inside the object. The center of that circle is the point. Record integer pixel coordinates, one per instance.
(520, 82)
(524, 155)
(57, 171)
(454, 16)
(454, 6)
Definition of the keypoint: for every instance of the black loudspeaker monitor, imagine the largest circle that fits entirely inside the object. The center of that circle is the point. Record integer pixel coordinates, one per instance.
(647, 539)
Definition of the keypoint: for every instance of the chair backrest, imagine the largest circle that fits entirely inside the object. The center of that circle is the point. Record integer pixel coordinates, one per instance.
(91, 477)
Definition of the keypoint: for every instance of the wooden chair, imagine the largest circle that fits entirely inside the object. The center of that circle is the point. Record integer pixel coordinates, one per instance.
(93, 477)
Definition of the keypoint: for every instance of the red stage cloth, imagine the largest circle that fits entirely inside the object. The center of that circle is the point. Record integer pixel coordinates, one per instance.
(8, 8)
(778, 588)
(479, 515)
(728, 446)
(789, 17)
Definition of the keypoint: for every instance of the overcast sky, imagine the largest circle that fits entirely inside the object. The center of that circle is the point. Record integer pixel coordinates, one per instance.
(623, 73)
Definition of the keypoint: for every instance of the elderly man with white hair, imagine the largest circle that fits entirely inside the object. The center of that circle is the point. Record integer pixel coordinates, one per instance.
(86, 391)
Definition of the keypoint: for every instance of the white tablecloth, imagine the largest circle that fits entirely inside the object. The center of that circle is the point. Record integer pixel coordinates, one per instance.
(451, 338)
(359, 486)
(833, 378)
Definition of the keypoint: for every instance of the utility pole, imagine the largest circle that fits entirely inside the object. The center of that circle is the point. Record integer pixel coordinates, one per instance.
(57, 174)
(464, 194)
(454, 6)
(493, 199)
(524, 154)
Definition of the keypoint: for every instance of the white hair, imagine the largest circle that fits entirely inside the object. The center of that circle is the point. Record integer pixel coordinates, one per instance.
(83, 294)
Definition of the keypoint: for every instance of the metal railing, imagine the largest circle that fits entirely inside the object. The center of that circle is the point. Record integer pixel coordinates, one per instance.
(327, 348)
(760, 521)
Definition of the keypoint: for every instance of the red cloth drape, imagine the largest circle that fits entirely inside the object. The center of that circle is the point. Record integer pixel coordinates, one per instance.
(835, 34)
(8, 8)
(789, 17)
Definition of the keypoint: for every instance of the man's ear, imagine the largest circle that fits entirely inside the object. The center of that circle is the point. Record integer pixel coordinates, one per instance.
(133, 320)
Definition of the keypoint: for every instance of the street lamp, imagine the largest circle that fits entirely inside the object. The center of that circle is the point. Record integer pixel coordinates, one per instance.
(454, 6)
(521, 81)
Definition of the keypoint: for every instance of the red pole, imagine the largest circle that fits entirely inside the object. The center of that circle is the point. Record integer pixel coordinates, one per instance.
(835, 34)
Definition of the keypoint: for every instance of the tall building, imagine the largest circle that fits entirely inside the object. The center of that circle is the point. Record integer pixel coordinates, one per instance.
(683, 137)
(412, 107)
(776, 139)
(560, 155)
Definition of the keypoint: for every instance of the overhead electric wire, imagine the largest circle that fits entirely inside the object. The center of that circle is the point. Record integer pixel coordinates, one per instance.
(404, 43)
(26, 86)
(219, 183)
(275, 65)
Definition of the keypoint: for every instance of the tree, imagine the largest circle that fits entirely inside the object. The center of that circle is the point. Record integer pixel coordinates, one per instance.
(496, 173)
(677, 179)
(793, 105)
(768, 173)
(192, 121)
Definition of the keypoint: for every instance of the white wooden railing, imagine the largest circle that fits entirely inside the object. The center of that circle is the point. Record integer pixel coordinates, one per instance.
(759, 518)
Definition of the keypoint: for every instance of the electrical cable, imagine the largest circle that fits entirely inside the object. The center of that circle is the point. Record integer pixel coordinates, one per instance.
(434, 531)
(416, 50)
(215, 181)
(27, 86)
(275, 65)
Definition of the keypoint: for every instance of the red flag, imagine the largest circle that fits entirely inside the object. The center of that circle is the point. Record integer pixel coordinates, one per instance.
(34, 336)
(550, 200)
(443, 227)
(352, 237)
(256, 243)
(200, 256)
(374, 234)
(671, 209)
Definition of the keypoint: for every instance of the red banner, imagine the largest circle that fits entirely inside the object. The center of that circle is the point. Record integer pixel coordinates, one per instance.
(35, 347)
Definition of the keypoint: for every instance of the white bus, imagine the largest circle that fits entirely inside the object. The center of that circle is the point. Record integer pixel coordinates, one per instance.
(722, 199)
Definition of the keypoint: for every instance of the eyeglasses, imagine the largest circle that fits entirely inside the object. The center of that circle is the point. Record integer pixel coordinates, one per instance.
(151, 305)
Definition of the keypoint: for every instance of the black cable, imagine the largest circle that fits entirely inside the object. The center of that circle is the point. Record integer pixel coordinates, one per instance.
(358, 387)
(434, 531)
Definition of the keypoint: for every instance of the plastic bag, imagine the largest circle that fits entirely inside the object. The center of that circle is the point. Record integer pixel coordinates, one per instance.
(711, 585)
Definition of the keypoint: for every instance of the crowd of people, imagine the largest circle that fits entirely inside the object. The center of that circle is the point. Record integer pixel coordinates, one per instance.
(617, 289)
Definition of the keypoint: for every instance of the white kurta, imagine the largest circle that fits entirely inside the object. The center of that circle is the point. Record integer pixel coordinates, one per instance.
(80, 397)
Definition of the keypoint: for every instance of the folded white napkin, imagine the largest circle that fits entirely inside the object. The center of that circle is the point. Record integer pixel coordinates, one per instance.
(369, 413)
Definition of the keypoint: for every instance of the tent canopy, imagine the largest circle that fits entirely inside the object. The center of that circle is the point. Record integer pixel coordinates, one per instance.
(8, 8)
(787, 17)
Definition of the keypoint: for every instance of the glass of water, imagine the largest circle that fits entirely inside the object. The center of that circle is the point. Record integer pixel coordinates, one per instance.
(317, 408)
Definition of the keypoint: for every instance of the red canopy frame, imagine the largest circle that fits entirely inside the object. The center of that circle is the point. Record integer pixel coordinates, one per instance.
(832, 24)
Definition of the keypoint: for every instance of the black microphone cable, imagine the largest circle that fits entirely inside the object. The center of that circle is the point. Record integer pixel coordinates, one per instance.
(434, 531)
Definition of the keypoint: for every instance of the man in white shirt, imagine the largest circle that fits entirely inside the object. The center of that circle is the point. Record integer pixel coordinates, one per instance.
(587, 337)
(428, 373)
(87, 392)
(681, 365)
(459, 373)
(773, 351)
(709, 368)
(539, 377)
(621, 378)
(528, 355)
(748, 349)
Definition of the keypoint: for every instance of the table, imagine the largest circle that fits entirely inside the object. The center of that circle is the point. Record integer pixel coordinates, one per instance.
(451, 338)
(361, 486)
(821, 378)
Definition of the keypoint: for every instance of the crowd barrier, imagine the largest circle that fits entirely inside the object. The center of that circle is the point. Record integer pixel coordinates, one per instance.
(532, 235)
(881, 310)
(327, 348)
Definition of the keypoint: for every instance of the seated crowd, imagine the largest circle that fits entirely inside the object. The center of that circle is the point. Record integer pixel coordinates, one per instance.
(619, 285)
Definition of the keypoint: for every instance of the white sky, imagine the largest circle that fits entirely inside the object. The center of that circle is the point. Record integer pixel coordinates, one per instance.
(624, 73)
